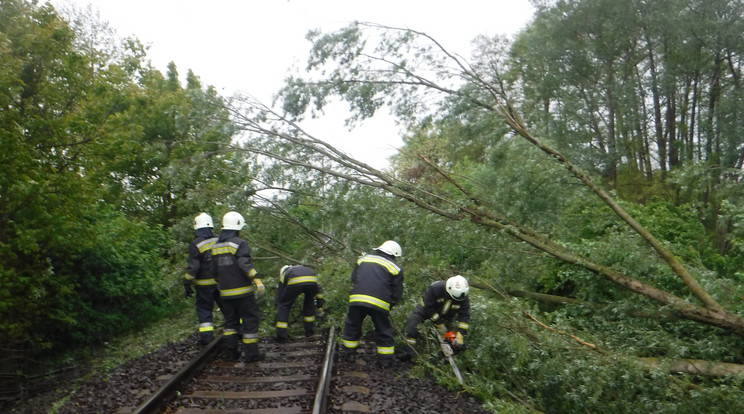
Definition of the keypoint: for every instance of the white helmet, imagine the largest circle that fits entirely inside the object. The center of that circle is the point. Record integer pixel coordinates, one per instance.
(390, 247)
(457, 287)
(283, 272)
(203, 220)
(232, 221)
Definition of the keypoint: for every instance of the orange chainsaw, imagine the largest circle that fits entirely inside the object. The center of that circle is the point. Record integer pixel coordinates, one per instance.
(446, 343)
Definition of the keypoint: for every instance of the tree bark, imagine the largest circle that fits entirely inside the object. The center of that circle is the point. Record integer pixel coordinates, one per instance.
(694, 366)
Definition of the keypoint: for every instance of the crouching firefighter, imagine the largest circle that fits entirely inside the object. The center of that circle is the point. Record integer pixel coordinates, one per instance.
(442, 303)
(293, 282)
(238, 282)
(199, 275)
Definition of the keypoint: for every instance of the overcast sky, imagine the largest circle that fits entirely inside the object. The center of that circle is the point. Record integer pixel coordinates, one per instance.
(250, 46)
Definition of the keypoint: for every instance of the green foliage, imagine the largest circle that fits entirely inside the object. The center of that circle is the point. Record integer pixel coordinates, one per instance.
(517, 365)
(99, 157)
(123, 272)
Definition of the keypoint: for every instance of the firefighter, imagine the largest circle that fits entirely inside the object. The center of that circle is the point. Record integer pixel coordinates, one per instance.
(199, 274)
(442, 303)
(378, 286)
(293, 282)
(238, 283)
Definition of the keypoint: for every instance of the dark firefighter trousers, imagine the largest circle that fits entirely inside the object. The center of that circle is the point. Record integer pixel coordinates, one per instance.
(235, 310)
(384, 334)
(206, 298)
(284, 306)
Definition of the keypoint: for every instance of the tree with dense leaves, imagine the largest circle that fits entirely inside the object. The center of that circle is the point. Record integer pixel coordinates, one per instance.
(101, 155)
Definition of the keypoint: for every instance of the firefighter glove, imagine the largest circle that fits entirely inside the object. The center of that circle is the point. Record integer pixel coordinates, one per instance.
(446, 349)
(260, 288)
(458, 341)
(188, 289)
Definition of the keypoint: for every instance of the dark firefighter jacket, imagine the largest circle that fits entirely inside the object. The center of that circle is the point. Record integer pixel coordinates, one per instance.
(232, 266)
(438, 305)
(378, 282)
(301, 276)
(198, 267)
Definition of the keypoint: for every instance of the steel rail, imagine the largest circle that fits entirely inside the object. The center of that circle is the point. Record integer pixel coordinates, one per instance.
(319, 406)
(159, 399)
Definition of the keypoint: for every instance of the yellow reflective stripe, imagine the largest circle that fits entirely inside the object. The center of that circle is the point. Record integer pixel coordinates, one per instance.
(229, 332)
(435, 317)
(320, 296)
(205, 282)
(188, 277)
(224, 248)
(463, 325)
(252, 273)
(250, 338)
(236, 291)
(309, 318)
(387, 264)
(385, 350)
(206, 327)
(350, 344)
(205, 245)
(302, 279)
(446, 307)
(411, 341)
(282, 324)
(371, 300)
(455, 306)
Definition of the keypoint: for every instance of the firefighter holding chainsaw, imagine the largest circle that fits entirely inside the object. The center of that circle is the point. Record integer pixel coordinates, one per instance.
(442, 303)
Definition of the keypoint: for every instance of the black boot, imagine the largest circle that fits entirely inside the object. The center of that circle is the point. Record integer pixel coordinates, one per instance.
(281, 335)
(384, 362)
(281, 338)
(205, 339)
(233, 355)
(253, 354)
(309, 329)
(405, 354)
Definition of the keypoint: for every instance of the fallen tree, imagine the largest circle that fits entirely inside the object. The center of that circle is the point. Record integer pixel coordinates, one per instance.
(261, 121)
(694, 366)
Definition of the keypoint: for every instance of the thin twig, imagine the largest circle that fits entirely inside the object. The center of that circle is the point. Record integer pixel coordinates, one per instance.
(577, 339)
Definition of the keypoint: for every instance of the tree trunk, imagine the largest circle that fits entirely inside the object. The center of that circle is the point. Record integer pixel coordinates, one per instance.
(694, 366)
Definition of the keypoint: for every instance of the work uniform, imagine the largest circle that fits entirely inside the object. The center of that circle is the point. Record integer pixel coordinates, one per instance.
(199, 274)
(439, 307)
(233, 268)
(378, 286)
(296, 281)
(319, 300)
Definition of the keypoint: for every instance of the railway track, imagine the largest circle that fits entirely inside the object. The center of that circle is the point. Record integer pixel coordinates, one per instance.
(297, 377)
